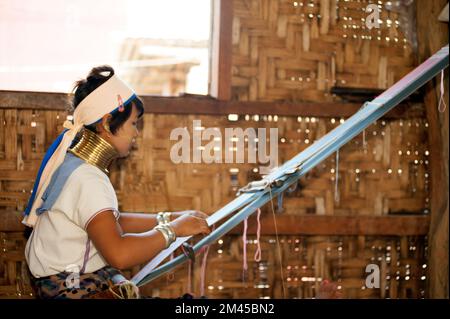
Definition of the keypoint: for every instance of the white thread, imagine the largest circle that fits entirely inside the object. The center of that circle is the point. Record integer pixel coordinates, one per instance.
(278, 242)
(244, 250)
(441, 99)
(126, 290)
(364, 139)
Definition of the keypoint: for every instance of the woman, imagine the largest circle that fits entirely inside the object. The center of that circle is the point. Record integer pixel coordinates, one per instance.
(80, 241)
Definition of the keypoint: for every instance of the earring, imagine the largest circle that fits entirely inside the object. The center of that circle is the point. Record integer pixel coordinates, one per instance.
(107, 129)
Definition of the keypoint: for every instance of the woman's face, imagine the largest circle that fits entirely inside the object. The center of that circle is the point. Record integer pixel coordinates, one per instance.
(125, 136)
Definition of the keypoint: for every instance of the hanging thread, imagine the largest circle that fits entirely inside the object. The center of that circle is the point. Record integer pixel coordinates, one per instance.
(171, 275)
(203, 271)
(203, 268)
(244, 250)
(190, 266)
(441, 99)
(364, 139)
(278, 242)
(258, 235)
(257, 256)
(125, 290)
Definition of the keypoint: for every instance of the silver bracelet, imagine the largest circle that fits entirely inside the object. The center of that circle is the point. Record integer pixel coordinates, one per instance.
(166, 217)
(163, 218)
(167, 232)
(164, 233)
(171, 232)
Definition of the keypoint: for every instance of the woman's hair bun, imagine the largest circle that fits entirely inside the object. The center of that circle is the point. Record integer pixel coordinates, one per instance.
(100, 73)
(96, 77)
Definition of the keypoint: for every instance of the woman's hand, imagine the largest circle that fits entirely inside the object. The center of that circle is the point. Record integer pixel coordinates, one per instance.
(195, 213)
(190, 225)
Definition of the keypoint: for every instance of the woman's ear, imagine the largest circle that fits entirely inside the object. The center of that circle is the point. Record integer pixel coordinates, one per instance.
(103, 126)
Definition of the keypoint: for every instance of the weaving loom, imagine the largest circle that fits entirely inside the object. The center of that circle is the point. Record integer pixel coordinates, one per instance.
(258, 193)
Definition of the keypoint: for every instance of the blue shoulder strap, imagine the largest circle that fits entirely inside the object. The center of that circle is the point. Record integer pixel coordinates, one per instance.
(59, 179)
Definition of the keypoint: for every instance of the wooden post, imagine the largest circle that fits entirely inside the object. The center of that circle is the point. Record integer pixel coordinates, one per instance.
(432, 35)
(221, 50)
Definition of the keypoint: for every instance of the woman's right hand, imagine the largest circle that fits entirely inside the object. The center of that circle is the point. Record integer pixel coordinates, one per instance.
(189, 225)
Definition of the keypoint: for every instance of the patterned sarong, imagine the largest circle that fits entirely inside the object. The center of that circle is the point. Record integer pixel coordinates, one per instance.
(83, 286)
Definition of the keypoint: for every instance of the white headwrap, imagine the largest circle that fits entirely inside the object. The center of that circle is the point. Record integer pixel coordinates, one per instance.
(111, 95)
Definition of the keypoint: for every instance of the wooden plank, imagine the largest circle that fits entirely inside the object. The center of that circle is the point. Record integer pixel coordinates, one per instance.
(197, 104)
(34, 100)
(208, 106)
(340, 225)
(221, 49)
(412, 225)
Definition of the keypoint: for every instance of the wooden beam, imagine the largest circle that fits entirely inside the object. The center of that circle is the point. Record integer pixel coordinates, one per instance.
(194, 104)
(361, 95)
(413, 225)
(34, 100)
(221, 49)
(339, 225)
(433, 35)
(208, 106)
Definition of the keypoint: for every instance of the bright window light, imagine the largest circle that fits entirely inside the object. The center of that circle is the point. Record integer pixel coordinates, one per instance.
(159, 47)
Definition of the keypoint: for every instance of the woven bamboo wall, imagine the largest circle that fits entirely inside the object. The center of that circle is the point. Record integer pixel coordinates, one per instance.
(387, 176)
(298, 50)
(14, 274)
(305, 262)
